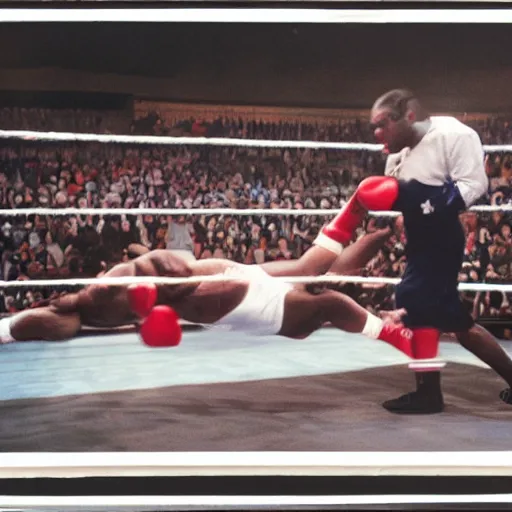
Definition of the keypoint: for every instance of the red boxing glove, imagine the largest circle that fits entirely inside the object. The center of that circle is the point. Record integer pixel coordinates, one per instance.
(161, 328)
(373, 193)
(142, 298)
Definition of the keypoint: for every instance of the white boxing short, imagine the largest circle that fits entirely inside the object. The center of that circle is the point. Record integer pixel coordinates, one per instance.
(5, 331)
(261, 311)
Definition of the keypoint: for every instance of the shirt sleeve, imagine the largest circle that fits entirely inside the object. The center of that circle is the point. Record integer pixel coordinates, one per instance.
(466, 167)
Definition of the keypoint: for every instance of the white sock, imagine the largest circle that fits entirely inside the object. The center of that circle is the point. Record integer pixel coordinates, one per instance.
(328, 243)
(373, 326)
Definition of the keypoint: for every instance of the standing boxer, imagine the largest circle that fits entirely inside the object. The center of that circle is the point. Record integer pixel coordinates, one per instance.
(439, 165)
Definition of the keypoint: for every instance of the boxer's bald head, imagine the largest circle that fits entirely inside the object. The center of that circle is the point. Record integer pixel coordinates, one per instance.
(393, 117)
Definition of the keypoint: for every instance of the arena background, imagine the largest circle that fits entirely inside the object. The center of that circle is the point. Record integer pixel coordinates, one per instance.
(273, 73)
(267, 72)
(454, 67)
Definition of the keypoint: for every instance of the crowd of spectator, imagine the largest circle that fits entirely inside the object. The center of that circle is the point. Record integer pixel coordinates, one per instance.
(63, 120)
(109, 176)
(347, 130)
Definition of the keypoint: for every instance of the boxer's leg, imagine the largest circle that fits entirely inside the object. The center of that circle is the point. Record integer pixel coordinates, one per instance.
(429, 314)
(376, 193)
(315, 261)
(304, 313)
(373, 193)
(422, 315)
(357, 255)
(484, 345)
(428, 397)
(318, 261)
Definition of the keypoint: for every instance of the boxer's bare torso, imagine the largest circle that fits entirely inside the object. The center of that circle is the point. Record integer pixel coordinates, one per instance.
(107, 306)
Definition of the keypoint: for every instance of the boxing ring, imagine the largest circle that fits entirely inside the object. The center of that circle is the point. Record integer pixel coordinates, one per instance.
(107, 392)
(224, 392)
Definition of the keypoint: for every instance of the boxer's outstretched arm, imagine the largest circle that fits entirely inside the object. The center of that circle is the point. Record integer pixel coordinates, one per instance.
(42, 324)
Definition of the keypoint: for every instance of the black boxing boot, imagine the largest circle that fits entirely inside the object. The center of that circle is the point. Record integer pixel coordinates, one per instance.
(427, 399)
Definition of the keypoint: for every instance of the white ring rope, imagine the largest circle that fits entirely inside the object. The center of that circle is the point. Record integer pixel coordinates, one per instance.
(219, 141)
(192, 141)
(213, 211)
(203, 141)
(176, 211)
(125, 281)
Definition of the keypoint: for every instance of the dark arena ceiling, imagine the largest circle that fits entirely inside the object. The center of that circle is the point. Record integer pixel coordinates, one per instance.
(318, 65)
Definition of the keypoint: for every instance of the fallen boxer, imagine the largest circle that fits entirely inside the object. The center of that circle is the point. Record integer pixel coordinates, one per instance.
(255, 303)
